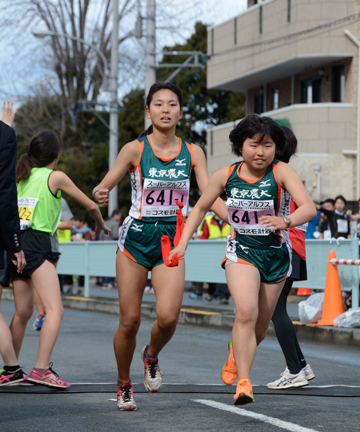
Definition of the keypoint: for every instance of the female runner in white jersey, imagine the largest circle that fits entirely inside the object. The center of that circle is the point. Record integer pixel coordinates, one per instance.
(159, 164)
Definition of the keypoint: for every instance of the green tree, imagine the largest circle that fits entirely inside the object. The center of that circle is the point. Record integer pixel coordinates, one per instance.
(85, 135)
(85, 155)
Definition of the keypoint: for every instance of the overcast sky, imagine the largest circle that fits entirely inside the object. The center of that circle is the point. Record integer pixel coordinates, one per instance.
(15, 83)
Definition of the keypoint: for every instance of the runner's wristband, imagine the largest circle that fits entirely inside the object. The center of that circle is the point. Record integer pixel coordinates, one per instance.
(286, 223)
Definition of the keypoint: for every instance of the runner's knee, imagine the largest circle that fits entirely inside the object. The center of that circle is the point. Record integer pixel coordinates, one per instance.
(167, 321)
(24, 313)
(245, 316)
(129, 326)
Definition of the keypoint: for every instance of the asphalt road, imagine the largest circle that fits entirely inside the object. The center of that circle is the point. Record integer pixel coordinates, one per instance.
(193, 397)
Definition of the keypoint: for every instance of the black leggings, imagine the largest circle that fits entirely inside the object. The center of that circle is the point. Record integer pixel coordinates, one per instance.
(285, 331)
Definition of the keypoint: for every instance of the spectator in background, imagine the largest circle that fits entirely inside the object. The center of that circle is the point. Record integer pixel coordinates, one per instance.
(354, 219)
(313, 227)
(64, 235)
(339, 223)
(324, 228)
(357, 216)
(80, 232)
(114, 224)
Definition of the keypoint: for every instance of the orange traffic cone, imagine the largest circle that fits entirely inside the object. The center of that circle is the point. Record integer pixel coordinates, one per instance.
(333, 300)
(303, 291)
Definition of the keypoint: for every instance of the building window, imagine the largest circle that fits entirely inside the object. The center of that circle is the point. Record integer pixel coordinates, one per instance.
(259, 103)
(275, 98)
(260, 19)
(338, 83)
(235, 31)
(289, 10)
(211, 143)
(311, 90)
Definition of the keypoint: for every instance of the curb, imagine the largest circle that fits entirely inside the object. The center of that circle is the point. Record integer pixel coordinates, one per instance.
(211, 318)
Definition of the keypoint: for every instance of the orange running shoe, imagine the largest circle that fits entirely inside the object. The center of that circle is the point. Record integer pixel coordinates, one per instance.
(244, 393)
(228, 371)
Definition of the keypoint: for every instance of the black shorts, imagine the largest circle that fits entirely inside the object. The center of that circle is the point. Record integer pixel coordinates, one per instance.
(56, 256)
(37, 248)
(299, 272)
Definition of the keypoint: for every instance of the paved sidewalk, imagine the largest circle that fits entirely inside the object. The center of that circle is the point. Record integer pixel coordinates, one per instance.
(205, 313)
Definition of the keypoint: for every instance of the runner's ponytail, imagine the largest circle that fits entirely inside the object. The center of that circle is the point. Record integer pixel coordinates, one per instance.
(44, 148)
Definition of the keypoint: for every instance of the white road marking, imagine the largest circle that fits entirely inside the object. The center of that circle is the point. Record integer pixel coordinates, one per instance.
(220, 385)
(333, 385)
(113, 383)
(261, 417)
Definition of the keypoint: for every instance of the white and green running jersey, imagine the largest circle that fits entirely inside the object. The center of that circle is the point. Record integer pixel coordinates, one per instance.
(157, 183)
(249, 200)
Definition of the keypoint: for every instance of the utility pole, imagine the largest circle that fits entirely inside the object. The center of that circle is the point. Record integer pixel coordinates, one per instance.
(114, 125)
(150, 73)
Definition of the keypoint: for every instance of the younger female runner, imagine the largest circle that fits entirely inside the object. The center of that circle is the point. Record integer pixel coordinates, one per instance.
(39, 202)
(258, 251)
(160, 164)
(298, 372)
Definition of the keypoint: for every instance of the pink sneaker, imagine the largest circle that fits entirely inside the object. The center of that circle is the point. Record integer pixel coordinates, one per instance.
(10, 378)
(24, 382)
(48, 378)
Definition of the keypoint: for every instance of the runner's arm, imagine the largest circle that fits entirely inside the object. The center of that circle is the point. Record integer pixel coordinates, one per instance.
(60, 181)
(126, 160)
(212, 191)
(289, 179)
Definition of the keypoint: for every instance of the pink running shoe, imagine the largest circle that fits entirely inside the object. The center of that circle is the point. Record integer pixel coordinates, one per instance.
(10, 378)
(24, 382)
(48, 378)
(152, 374)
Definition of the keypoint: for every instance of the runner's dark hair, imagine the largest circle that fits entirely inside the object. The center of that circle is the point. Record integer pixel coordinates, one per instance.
(255, 126)
(155, 88)
(44, 147)
(290, 147)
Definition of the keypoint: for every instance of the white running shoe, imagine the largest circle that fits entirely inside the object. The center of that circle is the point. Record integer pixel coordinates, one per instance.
(308, 372)
(125, 398)
(152, 374)
(288, 380)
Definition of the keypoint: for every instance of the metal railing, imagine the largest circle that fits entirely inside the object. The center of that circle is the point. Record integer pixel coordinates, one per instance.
(203, 259)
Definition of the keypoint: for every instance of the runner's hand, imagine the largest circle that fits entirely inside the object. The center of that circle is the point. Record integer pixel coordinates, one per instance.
(18, 259)
(102, 197)
(178, 250)
(273, 222)
(7, 116)
(103, 227)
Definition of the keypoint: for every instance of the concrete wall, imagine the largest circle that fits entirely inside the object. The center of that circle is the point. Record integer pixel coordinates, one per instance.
(232, 60)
